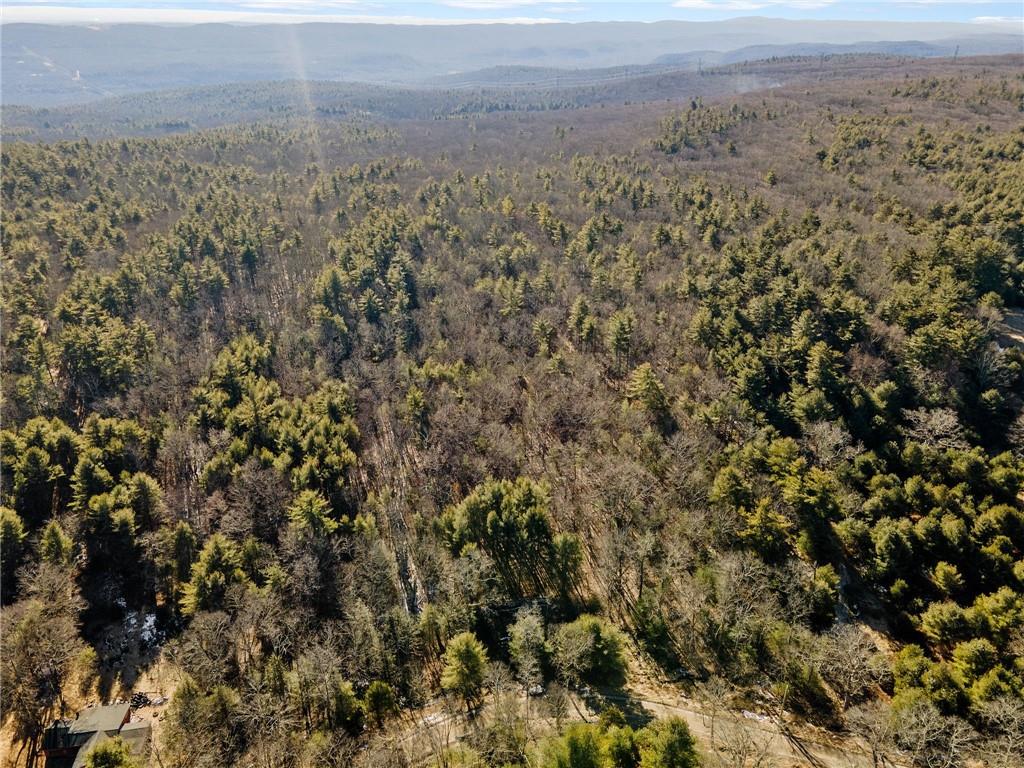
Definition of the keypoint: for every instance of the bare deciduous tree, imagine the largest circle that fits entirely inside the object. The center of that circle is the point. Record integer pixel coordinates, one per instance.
(1004, 748)
(930, 739)
(850, 662)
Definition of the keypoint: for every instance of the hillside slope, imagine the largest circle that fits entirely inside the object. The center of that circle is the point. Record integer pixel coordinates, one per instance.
(355, 420)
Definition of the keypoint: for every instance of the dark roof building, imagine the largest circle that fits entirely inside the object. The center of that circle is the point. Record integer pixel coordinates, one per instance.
(67, 742)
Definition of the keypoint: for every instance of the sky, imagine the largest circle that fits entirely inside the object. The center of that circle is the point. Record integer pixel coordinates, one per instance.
(509, 11)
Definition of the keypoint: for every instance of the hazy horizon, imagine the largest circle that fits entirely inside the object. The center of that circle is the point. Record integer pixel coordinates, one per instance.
(1005, 15)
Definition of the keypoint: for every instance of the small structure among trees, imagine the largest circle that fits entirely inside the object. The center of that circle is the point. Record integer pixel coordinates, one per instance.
(69, 743)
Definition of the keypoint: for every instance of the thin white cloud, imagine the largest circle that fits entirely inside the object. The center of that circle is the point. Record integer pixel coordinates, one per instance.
(1017, 21)
(722, 5)
(490, 5)
(295, 5)
(50, 14)
(750, 5)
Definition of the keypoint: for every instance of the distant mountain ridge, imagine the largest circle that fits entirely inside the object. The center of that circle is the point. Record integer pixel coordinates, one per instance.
(976, 45)
(46, 65)
(531, 76)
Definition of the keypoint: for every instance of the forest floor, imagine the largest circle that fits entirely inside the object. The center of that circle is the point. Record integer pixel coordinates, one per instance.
(1013, 326)
(764, 739)
(754, 738)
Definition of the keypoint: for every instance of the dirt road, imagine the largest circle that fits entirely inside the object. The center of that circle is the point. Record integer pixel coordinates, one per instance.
(751, 734)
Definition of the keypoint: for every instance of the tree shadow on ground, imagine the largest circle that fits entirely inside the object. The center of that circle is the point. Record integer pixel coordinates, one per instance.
(632, 708)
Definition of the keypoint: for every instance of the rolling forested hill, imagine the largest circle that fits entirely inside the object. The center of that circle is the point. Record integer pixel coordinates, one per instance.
(389, 439)
(51, 65)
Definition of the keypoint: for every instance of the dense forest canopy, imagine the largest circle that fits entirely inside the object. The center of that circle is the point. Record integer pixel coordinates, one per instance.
(341, 419)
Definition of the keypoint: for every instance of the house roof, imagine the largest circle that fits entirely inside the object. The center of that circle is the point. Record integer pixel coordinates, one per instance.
(105, 719)
(136, 735)
(97, 738)
(67, 743)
